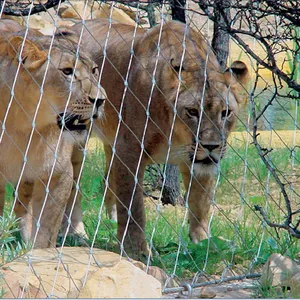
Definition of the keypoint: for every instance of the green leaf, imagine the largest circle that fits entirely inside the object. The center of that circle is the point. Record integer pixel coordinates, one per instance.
(257, 199)
(170, 247)
(272, 243)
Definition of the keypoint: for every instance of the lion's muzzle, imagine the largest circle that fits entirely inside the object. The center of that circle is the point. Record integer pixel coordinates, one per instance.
(207, 160)
(71, 122)
(207, 154)
(81, 114)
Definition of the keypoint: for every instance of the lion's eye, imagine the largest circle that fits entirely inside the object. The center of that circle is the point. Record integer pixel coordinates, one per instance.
(67, 71)
(193, 112)
(226, 113)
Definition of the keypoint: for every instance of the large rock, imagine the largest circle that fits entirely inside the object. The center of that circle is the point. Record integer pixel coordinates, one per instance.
(76, 272)
(165, 280)
(123, 280)
(15, 286)
(278, 271)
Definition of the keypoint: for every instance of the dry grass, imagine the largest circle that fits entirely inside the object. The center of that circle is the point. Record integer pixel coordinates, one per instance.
(274, 139)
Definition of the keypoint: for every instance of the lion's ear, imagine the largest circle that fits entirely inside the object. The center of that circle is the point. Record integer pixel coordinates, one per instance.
(67, 33)
(240, 84)
(239, 70)
(176, 60)
(175, 63)
(32, 57)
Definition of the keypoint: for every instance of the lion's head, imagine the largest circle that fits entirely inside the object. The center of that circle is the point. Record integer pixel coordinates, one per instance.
(200, 99)
(49, 78)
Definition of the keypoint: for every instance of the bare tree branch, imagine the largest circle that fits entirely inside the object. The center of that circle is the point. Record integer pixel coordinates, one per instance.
(251, 12)
(287, 225)
(17, 8)
(293, 231)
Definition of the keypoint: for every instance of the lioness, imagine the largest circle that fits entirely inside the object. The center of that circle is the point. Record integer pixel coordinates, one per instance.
(170, 102)
(43, 92)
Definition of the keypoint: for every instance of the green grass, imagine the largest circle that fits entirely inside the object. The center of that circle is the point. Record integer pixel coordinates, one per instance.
(274, 292)
(92, 180)
(237, 231)
(233, 165)
(11, 245)
(240, 240)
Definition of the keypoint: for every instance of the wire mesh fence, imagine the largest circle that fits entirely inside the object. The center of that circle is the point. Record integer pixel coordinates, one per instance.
(171, 142)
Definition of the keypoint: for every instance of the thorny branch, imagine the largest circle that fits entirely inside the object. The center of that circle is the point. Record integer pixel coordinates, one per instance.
(19, 8)
(248, 15)
(273, 24)
(22, 7)
(292, 230)
(288, 224)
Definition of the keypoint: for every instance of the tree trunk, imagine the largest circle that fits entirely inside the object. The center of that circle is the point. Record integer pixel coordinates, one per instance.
(151, 15)
(171, 190)
(220, 40)
(178, 12)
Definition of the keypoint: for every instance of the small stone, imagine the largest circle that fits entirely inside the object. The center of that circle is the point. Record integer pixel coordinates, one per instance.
(60, 268)
(278, 270)
(207, 293)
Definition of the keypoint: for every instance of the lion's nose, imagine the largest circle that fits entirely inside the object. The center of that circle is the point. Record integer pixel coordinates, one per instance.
(210, 147)
(98, 101)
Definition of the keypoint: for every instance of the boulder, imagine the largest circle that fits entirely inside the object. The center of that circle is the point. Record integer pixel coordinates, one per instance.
(165, 280)
(76, 272)
(16, 286)
(123, 280)
(278, 271)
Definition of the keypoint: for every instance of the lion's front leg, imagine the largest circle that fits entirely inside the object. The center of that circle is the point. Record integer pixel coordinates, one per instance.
(127, 187)
(49, 221)
(23, 208)
(199, 194)
(73, 210)
(110, 199)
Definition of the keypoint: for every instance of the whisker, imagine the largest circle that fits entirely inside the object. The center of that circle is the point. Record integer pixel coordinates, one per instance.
(179, 153)
(69, 116)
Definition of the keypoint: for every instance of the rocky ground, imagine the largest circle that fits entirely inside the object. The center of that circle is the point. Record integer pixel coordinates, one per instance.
(80, 272)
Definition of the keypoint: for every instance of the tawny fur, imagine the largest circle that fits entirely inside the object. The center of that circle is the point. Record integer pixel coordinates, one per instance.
(19, 143)
(190, 146)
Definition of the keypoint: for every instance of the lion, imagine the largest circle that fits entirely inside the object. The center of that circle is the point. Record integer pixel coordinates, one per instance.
(42, 116)
(168, 101)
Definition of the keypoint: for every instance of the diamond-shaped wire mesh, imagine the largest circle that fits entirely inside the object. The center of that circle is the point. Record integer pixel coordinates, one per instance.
(125, 131)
